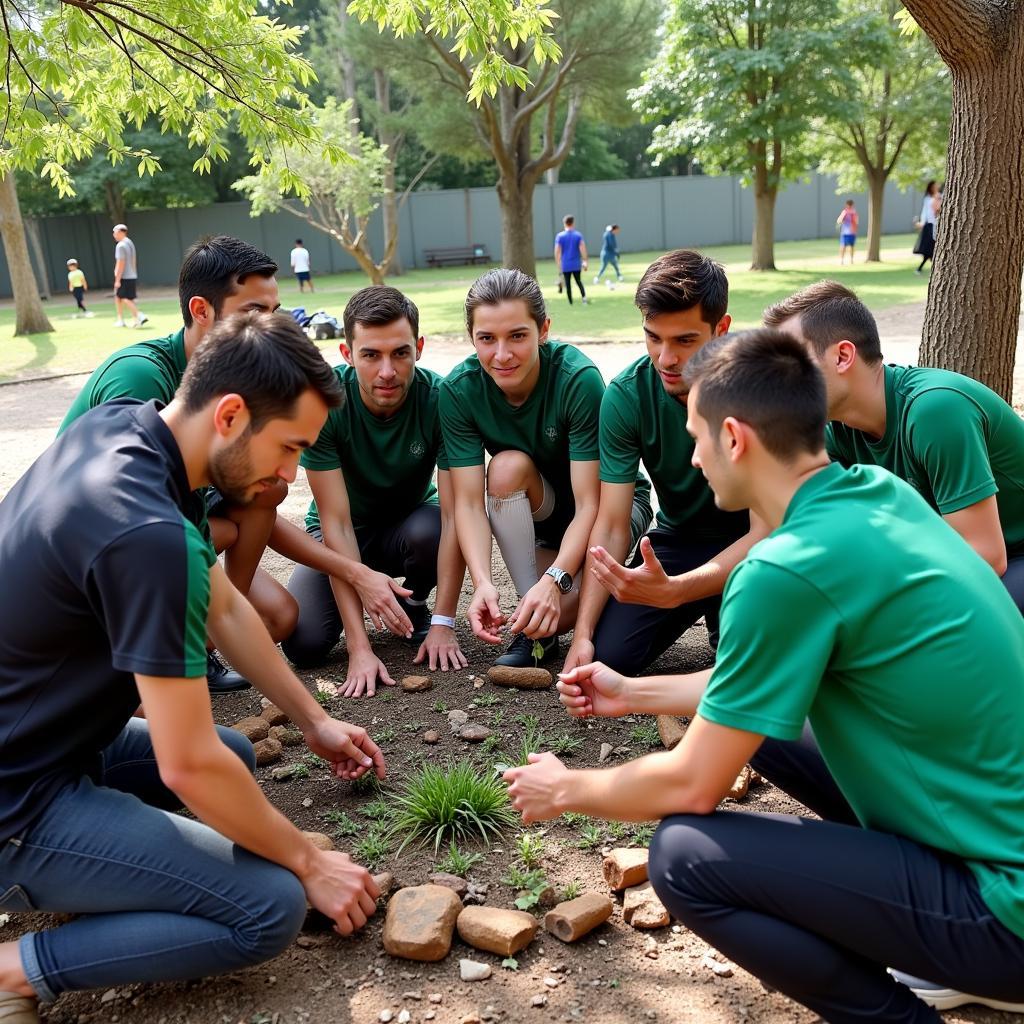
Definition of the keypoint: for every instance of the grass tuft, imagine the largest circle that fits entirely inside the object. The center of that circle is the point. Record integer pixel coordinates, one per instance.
(455, 862)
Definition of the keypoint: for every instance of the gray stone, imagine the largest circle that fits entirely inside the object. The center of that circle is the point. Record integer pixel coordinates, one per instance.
(459, 886)
(473, 970)
(474, 733)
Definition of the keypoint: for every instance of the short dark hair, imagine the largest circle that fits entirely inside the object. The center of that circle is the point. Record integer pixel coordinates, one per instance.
(767, 379)
(830, 312)
(214, 265)
(680, 280)
(264, 357)
(298, 241)
(568, 219)
(377, 305)
(504, 285)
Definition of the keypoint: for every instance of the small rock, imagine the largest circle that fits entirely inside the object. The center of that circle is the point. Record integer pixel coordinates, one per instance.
(319, 840)
(552, 982)
(286, 736)
(109, 996)
(473, 970)
(477, 683)
(459, 886)
(671, 730)
(494, 930)
(404, 1017)
(739, 788)
(457, 719)
(642, 909)
(541, 1000)
(283, 772)
(253, 728)
(267, 751)
(431, 737)
(430, 1015)
(436, 998)
(385, 1016)
(573, 919)
(415, 996)
(474, 733)
(606, 752)
(385, 882)
(420, 922)
(417, 684)
(722, 970)
(307, 801)
(625, 867)
(274, 715)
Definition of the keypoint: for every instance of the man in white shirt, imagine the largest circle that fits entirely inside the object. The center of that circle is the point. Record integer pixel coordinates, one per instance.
(300, 265)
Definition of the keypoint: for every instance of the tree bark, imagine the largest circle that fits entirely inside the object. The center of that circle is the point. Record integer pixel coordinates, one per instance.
(763, 244)
(876, 196)
(114, 199)
(34, 240)
(29, 316)
(516, 199)
(386, 136)
(972, 315)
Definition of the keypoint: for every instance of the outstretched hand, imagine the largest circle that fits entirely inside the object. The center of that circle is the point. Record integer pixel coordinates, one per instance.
(533, 787)
(648, 584)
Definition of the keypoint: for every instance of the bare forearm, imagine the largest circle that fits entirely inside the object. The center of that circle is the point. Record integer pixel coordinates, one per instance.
(341, 539)
(709, 579)
(289, 540)
(573, 549)
(451, 570)
(593, 597)
(474, 533)
(668, 695)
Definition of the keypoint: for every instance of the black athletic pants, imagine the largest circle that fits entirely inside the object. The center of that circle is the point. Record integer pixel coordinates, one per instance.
(406, 549)
(819, 909)
(568, 276)
(1013, 580)
(628, 637)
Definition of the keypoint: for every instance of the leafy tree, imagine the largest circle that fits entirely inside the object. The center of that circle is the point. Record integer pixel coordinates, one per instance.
(489, 50)
(342, 195)
(895, 112)
(972, 317)
(78, 74)
(739, 80)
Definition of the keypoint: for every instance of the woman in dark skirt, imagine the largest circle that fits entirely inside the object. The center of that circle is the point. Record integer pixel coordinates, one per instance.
(925, 246)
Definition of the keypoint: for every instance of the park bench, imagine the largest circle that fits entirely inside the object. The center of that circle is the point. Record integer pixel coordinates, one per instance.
(475, 253)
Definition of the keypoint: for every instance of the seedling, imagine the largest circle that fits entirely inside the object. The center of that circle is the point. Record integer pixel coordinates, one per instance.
(510, 963)
(455, 862)
(643, 833)
(440, 707)
(646, 734)
(590, 837)
(343, 825)
(572, 890)
(566, 745)
(486, 700)
(530, 848)
(372, 849)
(537, 651)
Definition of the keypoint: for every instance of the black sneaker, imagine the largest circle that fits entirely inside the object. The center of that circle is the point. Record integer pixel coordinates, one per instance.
(220, 678)
(419, 616)
(520, 652)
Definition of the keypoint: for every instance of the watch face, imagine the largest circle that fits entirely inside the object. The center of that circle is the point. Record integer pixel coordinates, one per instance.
(564, 581)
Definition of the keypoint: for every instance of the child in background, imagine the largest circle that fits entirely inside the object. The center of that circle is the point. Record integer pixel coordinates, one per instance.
(78, 286)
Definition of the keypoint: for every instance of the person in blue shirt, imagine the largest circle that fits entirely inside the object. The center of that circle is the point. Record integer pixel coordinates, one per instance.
(571, 256)
(609, 252)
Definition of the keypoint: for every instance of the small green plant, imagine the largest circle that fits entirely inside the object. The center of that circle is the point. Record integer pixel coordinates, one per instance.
(440, 707)
(372, 849)
(323, 698)
(453, 802)
(387, 694)
(386, 735)
(646, 734)
(566, 745)
(590, 837)
(533, 738)
(485, 700)
(491, 745)
(510, 963)
(497, 718)
(455, 862)
(412, 726)
(537, 651)
(366, 785)
(618, 829)
(643, 833)
(379, 809)
(316, 761)
(298, 770)
(572, 890)
(574, 819)
(530, 848)
(342, 824)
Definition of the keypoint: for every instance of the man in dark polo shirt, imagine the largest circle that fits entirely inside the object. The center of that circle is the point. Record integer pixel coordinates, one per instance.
(84, 634)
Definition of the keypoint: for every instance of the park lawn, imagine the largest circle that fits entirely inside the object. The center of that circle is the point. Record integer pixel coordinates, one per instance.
(79, 345)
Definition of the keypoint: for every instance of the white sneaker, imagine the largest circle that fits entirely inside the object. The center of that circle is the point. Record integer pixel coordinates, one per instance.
(120, 323)
(586, 301)
(597, 280)
(143, 319)
(943, 998)
(88, 314)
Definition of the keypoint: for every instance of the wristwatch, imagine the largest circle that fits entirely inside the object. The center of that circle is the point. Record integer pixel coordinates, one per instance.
(561, 578)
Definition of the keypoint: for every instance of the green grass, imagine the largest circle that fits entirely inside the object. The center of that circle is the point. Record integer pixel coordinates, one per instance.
(452, 803)
(372, 849)
(455, 862)
(77, 345)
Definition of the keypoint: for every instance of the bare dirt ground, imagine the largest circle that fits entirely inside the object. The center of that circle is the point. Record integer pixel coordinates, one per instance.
(613, 976)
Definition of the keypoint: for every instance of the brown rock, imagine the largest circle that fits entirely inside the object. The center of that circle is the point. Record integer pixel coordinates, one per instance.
(420, 922)
(253, 728)
(286, 736)
(431, 737)
(385, 882)
(642, 909)
(274, 715)
(739, 788)
(671, 730)
(520, 678)
(416, 684)
(625, 867)
(474, 733)
(267, 751)
(573, 919)
(319, 840)
(504, 932)
(459, 886)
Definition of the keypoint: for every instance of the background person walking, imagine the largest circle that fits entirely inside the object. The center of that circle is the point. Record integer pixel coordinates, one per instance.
(847, 222)
(925, 247)
(571, 256)
(609, 253)
(78, 286)
(126, 278)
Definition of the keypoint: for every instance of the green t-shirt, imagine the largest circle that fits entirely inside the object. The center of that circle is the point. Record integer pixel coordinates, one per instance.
(954, 440)
(869, 615)
(388, 464)
(556, 425)
(641, 421)
(146, 370)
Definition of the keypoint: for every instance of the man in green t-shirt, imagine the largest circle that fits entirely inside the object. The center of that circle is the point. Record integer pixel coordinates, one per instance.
(953, 439)
(677, 575)
(868, 615)
(219, 276)
(533, 405)
(375, 504)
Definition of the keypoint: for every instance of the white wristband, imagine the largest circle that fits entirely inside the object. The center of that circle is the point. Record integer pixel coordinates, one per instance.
(443, 620)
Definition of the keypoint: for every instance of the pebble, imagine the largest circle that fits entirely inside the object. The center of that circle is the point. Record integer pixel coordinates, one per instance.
(474, 733)
(457, 720)
(606, 752)
(435, 997)
(541, 1000)
(109, 996)
(385, 1016)
(430, 1015)
(416, 684)
(722, 970)
(473, 970)
(307, 802)
(431, 737)
(404, 1017)
(552, 982)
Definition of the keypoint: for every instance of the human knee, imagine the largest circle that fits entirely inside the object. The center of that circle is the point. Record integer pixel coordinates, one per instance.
(681, 847)
(422, 534)
(509, 471)
(239, 745)
(306, 650)
(277, 924)
(281, 616)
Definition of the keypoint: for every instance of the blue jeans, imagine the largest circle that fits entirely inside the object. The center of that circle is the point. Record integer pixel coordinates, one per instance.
(160, 897)
(612, 259)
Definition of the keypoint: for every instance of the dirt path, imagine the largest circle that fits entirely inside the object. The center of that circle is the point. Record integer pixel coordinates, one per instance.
(615, 975)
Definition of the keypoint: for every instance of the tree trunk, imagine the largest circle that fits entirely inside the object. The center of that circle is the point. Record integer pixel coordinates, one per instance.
(42, 273)
(764, 228)
(389, 201)
(972, 316)
(876, 196)
(114, 199)
(29, 316)
(516, 201)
